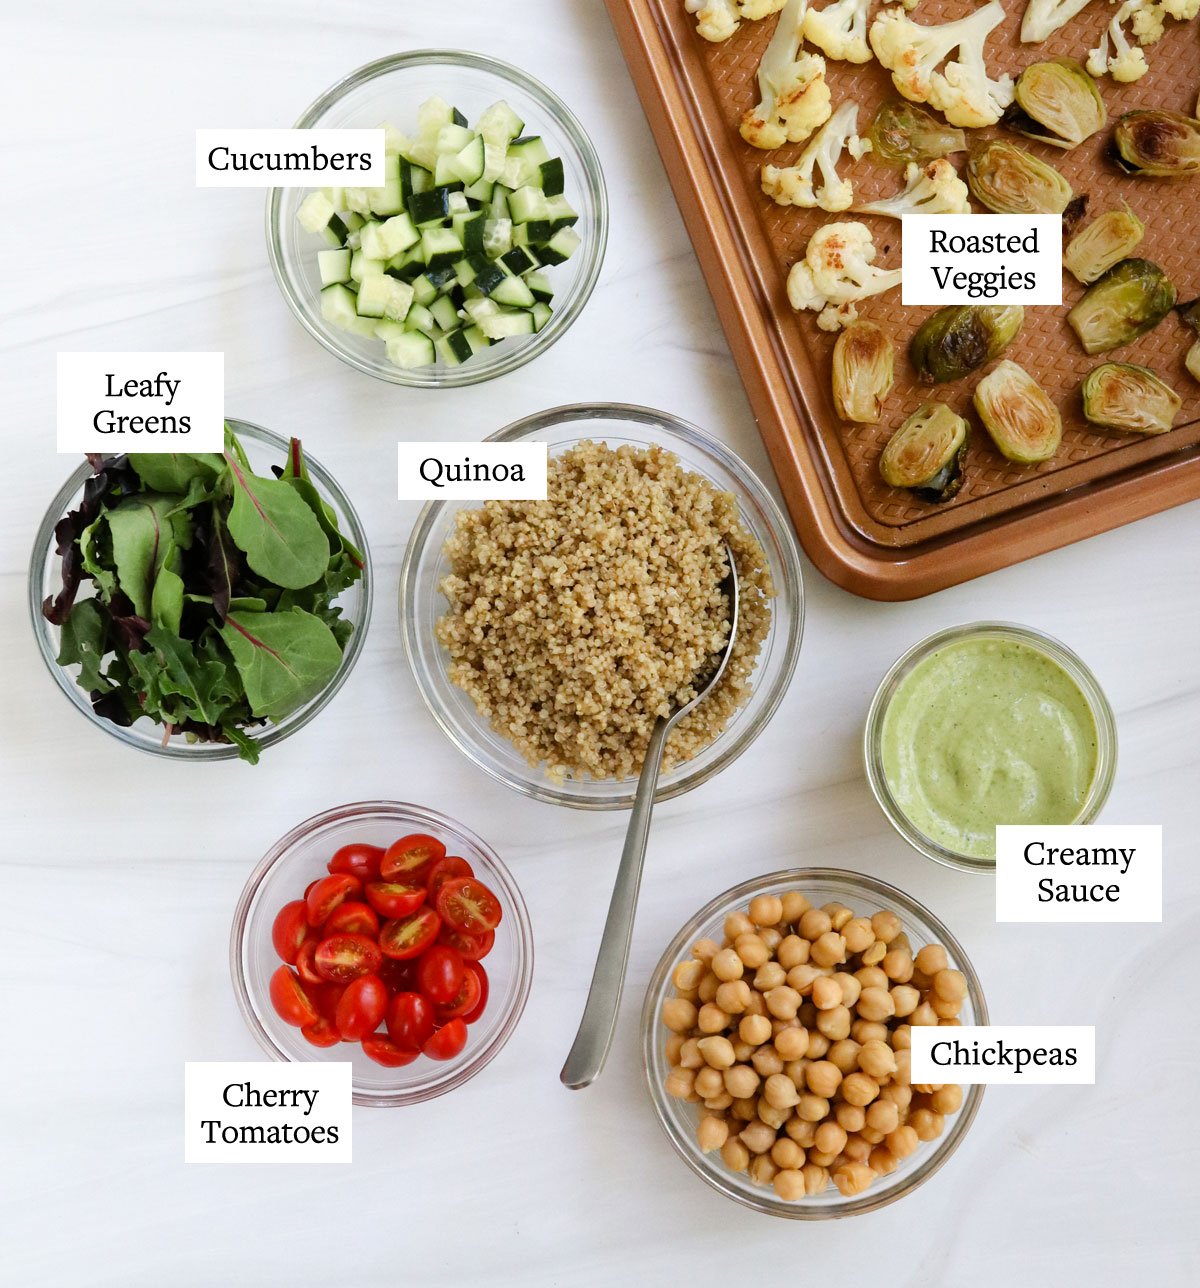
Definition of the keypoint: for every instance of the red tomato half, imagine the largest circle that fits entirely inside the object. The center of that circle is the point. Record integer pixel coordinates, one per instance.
(411, 936)
(342, 958)
(471, 948)
(399, 976)
(353, 918)
(480, 1006)
(292, 1004)
(327, 894)
(446, 1042)
(290, 930)
(358, 860)
(325, 999)
(410, 1020)
(321, 1033)
(385, 1052)
(464, 1000)
(410, 858)
(443, 870)
(361, 1008)
(467, 904)
(395, 898)
(439, 974)
(306, 963)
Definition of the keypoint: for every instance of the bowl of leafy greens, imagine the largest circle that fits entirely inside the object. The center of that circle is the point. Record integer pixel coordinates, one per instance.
(205, 605)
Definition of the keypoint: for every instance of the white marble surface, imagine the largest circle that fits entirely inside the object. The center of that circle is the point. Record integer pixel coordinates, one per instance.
(119, 873)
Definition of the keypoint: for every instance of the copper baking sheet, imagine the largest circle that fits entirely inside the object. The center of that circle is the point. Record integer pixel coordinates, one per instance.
(863, 535)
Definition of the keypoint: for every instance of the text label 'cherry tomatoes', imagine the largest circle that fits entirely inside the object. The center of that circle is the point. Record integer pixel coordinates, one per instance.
(411, 936)
(342, 958)
(467, 904)
(411, 857)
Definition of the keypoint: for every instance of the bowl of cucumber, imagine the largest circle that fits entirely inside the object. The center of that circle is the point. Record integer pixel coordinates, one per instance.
(481, 248)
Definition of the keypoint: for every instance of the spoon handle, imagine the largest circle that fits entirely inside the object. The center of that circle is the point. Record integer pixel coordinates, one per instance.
(592, 1042)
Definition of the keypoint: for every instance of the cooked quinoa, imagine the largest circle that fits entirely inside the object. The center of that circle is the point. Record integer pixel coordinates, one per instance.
(575, 622)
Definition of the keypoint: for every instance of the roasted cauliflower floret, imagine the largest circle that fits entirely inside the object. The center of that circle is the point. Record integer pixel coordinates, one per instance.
(1044, 17)
(793, 95)
(836, 271)
(717, 20)
(794, 185)
(934, 189)
(1147, 24)
(840, 30)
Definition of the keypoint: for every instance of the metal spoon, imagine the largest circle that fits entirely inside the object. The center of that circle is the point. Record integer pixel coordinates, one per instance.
(599, 1022)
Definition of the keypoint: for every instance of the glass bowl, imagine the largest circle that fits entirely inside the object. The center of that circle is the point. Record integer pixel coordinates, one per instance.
(1106, 731)
(300, 857)
(264, 450)
(421, 604)
(390, 90)
(679, 1119)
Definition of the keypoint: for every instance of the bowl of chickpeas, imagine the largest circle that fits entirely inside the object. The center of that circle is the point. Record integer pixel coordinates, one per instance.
(776, 1035)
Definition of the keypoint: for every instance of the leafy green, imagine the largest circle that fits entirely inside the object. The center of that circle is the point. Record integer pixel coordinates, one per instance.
(284, 658)
(83, 643)
(276, 531)
(175, 472)
(143, 540)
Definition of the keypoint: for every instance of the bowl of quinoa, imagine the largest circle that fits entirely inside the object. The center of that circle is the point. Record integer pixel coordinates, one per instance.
(548, 636)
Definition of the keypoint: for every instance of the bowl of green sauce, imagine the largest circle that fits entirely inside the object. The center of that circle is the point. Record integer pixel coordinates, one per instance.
(983, 724)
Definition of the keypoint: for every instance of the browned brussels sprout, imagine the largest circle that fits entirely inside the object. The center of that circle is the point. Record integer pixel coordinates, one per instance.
(1018, 414)
(1056, 102)
(863, 359)
(1157, 143)
(1130, 299)
(1104, 242)
(1191, 315)
(961, 338)
(903, 132)
(1011, 181)
(1119, 395)
(926, 453)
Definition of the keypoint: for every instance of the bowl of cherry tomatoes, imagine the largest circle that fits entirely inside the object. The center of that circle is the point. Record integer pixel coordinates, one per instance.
(388, 935)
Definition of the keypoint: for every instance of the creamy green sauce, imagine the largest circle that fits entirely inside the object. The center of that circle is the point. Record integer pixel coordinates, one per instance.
(987, 731)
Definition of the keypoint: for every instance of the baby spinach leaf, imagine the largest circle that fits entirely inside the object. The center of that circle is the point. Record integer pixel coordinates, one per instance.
(283, 658)
(166, 600)
(142, 538)
(296, 473)
(82, 643)
(175, 471)
(276, 531)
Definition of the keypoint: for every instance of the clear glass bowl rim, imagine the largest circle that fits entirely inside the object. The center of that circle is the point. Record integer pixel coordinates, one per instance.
(510, 357)
(790, 593)
(1057, 651)
(404, 814)
(710, 1169)
(178, 749)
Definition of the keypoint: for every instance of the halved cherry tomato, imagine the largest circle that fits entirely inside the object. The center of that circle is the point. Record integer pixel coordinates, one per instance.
(484, 989)
(471, 948)
(445, 1043)
(325, 999)
(467, 904)
(361, 1008)
(321, 1033)
(410, 1020)
(290, 930)
(327, 894)
(439, 974)
(411, 936)
(306, 963)
(385, 1052)
(358, 860)
(353, 918)
(291, 1002)
(342, 958)
(395, 898)
(411, 857)
(399, 976)
(308, 888)
(443, 870)
(464, 1000)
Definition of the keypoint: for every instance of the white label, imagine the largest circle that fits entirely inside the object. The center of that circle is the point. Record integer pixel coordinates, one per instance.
(141, 402)
(1004, 1054)
(1082, 873)
(289, 159)
(981, 259)
(260, 1111)
(472, 471)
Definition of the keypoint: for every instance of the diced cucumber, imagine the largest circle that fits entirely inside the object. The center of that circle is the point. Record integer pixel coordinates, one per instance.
(420, 319)
(457, 204)
(499, 204)
(540, 285)
(481, 191)
(527, 204)
(411, 350)
(384, 297)
(476, 339)
(540, 314)
(424, 291)
(560, 212)
(561, 246)
(362, 266)
(429, 208)
(453, 138)
(500, 121)
(383, 241)
(440, 246)
(413, 179)
(337, 305)
(506, 323)
(388, 330)
(453, 348)
(408, 265)
(520, 260)
(497, 236)
(512, 291)
(535, 233)
(469, 227)
(468, 162)
(333, 266)
(444, 313)
(440, 276)
(532, 150)
(550, 177)
(316, 210)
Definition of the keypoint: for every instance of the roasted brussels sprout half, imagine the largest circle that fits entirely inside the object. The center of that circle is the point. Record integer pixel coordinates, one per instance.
(1107, 240)
(1018, 414)
(1056, 102)
(1119, 395)
(926, 453)
(1157, 143)
(902, 132)
(1192, 361)
(1130, 299)
(1191, 315)
(1011, 181)
(961, 338)
(863, 359)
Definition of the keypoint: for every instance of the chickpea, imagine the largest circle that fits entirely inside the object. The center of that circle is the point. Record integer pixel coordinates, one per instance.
(771, 937)
(674, 1048)
(839, 914)
(859, 1089)
(751, 949)
(716, 1104)
(754, 1029)
(946, 1010)
(826, 994)
(830, 1138)
(680, 1083)
(920, 981)
(856, 1149)
(829, 949)
(803, 977)
(873, 955)
(928, 1124)
(717, 1052)
(780, 1091)
(703, 950)
(742, 1051)
(806, 1016)
(950, 985)
(812, 1108)
(844, 1054)
(931, 959)
(870, 1136)
(737, 923)
(850, 1117)
(899, 1095)
(801, 1131)
(902, 1037)
(872, 977)
(792, 951)
(877, 1059)
(757, 1136)
(898, 965)
(795, 905)
(901, 941)
(767, 1061)
(783, 1002)
(766, 910)
(687, 975)
(792, 1044)
(903, 1141)
(712, 1133)
(786, 1153)
(678, 1014)
(761, 1170)
(789, 1184)
(858, 934)
(735, 1155)
(876, 1004)
(756, 1004)
(689, 1054)
(864, 1031)
(815, 923)
(707, 989)
(708, 1082)
(903, 1072)
(823, 1078)
(852, 1178)
(741, 1081)
(851, 988)
(835, 1023)
(797, 1070)
(947, 1099)
(745, 1108)
(882, 1161)
(949, 1022)
(886, 926)
(883, 1116)
(727, 965)
(818, 1045)
(711, 1019)
(905, 999)
(768, 976)
(770, 1114)
(733, 996)
(924, 1015)
(816, 1179)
